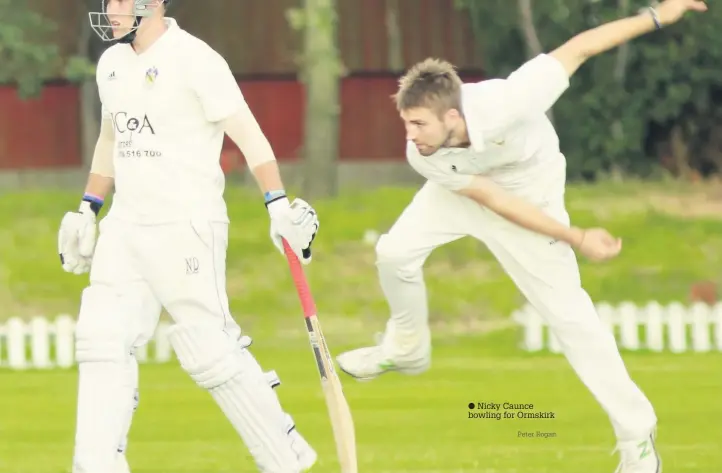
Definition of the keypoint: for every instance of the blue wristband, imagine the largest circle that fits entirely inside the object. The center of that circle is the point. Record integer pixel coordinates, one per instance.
(96, 203)
(272, 196)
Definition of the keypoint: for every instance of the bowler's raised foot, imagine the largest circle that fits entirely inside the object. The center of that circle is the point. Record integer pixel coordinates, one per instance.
(639, 456)
(367, 363)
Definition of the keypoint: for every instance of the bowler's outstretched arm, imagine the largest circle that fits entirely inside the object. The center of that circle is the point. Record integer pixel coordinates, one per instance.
(590, 43)
(535, 86)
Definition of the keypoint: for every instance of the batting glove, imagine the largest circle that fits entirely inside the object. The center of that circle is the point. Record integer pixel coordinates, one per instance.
(296, 222)
(77, 236)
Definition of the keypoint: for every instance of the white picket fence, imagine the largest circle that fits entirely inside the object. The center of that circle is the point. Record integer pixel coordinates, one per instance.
(674, 328)
(41, 343)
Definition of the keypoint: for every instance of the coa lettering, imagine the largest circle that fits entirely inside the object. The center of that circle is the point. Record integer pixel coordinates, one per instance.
(129, 127)
(125, 123)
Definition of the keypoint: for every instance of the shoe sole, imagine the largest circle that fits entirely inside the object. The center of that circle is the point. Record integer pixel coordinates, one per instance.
(406, 371)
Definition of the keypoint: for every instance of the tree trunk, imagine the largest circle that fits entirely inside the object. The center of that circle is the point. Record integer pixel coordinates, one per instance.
(712, 152)
(526, 19)
(321, 75)
(395, 40)
(680, 152)
(620, 68)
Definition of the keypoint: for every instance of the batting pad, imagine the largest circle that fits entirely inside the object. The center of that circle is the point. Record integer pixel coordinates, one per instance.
(132, 373)
(235, 380)
(105, 382)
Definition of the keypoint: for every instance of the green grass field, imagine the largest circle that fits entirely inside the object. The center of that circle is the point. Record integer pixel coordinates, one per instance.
(404, 424)
(672, 239)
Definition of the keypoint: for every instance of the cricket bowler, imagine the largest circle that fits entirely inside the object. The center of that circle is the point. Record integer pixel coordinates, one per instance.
(495, 172)
(167, 100)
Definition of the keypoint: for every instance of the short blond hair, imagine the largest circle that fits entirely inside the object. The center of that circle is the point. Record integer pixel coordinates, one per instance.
(432, 83)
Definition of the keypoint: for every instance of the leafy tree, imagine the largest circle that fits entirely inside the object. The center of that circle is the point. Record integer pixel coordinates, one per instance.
(28, 56)
(656, 101)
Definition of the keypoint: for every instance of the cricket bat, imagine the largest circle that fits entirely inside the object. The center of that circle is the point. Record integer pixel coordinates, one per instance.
(338, 408)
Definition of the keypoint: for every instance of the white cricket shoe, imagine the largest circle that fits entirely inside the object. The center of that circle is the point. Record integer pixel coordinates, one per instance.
(367, 363)
(639, 456)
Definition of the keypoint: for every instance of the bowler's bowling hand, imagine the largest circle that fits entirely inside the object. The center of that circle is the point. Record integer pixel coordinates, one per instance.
(671, 11)
(597, 244)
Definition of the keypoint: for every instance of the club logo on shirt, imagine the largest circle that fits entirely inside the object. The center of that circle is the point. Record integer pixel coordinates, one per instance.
(128, 127)
(453, 168)
(129, 124)
(151, 75)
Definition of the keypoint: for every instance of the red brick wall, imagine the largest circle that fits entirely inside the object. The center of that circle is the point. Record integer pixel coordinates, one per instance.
(44, 132)
(255, 38)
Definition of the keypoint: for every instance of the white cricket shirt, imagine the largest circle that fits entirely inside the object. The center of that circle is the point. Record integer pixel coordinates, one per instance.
(167, 105)
(512, 140)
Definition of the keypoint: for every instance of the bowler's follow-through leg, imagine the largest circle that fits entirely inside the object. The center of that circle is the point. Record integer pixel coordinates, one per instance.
(546, 272)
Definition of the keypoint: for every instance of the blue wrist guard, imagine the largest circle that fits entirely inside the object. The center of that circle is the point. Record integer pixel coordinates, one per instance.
(272, 196)
(96, 203)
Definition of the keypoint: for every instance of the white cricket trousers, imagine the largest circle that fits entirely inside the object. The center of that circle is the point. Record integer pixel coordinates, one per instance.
(179, 266)
(137, 269)
(545, 271)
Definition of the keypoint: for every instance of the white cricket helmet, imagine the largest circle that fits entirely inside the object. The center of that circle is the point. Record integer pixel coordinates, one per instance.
(102, 27)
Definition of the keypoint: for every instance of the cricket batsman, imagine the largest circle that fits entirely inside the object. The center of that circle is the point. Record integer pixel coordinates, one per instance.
(495, 172)
(167, 100)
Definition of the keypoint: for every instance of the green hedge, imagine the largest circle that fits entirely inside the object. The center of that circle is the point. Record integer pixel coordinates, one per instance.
(669, 244)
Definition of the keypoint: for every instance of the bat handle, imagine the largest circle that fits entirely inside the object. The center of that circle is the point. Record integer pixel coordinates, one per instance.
(300, 281)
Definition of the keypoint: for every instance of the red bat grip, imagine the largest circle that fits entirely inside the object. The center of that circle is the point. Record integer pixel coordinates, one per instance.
(299, 279)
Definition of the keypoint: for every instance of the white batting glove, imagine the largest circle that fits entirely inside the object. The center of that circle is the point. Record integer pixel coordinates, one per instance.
(76, 239)
(296, 222)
